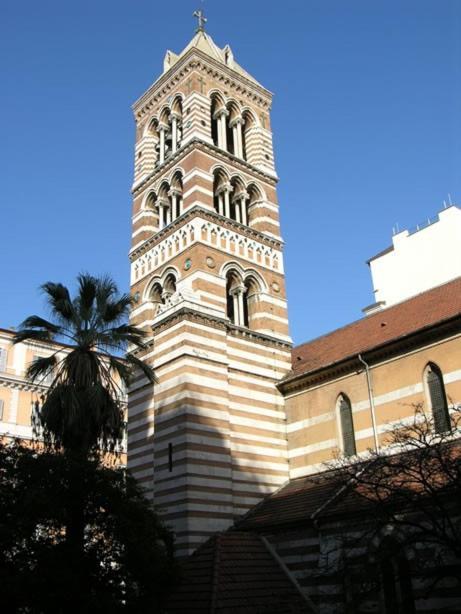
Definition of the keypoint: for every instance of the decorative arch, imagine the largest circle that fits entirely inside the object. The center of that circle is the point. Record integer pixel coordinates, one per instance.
(149, 201)
(437, 398)
(346, 425)
(217, 117)
(249, 121)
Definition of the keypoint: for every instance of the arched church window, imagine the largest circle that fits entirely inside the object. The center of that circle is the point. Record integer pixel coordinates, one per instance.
(347, 425)
(437, 398)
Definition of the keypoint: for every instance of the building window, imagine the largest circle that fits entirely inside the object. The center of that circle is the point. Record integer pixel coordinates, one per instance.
(437, 399)
(347, 425)
(1, 409)
(170, 457)
(3, 357)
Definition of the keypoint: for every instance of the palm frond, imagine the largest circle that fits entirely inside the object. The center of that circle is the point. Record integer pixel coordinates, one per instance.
(115, 310)
(129, 333)
(87, 289)
(58, 298)
(27, 334)
(122, 368)
(38, 322)
(41, 367)
(147, 371)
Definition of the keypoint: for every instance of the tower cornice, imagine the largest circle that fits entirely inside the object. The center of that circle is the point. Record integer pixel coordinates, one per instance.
(196, 59)
(219, 154)
(187, 313)
(212, 216)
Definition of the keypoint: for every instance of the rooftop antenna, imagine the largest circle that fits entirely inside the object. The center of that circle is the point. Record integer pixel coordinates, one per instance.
(444, 204)
(449, 199)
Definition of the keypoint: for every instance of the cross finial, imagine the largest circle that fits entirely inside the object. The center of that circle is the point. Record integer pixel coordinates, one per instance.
(201, 20)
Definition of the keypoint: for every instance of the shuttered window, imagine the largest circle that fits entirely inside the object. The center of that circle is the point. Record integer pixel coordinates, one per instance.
(1, 409)
(438, 399)
(347, 426)
(3, 355)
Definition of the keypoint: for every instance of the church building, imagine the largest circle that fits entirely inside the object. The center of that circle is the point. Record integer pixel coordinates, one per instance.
(239, 416)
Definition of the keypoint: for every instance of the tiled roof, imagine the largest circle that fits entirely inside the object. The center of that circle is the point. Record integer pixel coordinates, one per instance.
(413, 315)
(295, 502)
(235, 573)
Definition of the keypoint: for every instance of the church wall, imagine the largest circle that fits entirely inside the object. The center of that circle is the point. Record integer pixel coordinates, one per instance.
(312, 424)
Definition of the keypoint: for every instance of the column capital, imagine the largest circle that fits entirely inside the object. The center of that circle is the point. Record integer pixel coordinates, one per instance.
(163, 202)
(226, 187)
(240, 289)
(174, 192)
(241, 195)
(236, 121)
(217, 114)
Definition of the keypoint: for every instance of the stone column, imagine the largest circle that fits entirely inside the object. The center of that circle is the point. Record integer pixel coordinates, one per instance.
(174, 133)
(221, 204)
(243, 205)
(241, 292)
(175, 196)
(237, 211)
(222, 131)
(162, 131)
(237, 134)
(161, 217)
(227, 192)
(235, 298)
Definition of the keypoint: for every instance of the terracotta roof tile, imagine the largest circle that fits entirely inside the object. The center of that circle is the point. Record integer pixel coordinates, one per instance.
(413, 315)
(235, 573)
(294, 503)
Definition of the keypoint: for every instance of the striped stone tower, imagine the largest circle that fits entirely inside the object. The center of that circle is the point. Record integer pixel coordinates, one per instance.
(207, 276)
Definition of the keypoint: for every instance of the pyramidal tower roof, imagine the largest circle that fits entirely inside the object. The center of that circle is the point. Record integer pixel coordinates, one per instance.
(204, 43)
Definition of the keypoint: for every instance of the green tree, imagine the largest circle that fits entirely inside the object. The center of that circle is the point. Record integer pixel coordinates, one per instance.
(82, 410)
(127, 561)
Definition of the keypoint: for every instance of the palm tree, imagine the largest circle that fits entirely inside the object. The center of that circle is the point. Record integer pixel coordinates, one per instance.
(82, 411)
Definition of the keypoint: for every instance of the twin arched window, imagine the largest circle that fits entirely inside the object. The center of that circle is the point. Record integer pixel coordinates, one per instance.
(229, 126)
(241, 294)
(232, 199)
(166, 131)
(437, 398)
(347, 425)
(161, 292)
(168, 201)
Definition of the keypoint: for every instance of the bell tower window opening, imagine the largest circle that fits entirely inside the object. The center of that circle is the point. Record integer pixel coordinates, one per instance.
(437, 398)
(161, 292)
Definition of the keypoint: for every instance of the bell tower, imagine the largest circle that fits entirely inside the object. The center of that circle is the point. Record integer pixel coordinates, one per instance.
(209, 440)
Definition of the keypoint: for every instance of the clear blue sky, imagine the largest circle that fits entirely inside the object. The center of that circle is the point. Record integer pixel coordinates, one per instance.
(366, 121)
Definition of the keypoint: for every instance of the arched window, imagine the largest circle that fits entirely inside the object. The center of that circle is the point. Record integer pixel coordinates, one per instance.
(437, 398)
(218, 121)
(395, 579)
(176, 124)
(234, 291)
(347, 425)
(239, 196)
(221, 193)
(248, 124)
(254, 197)
(162, 291)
